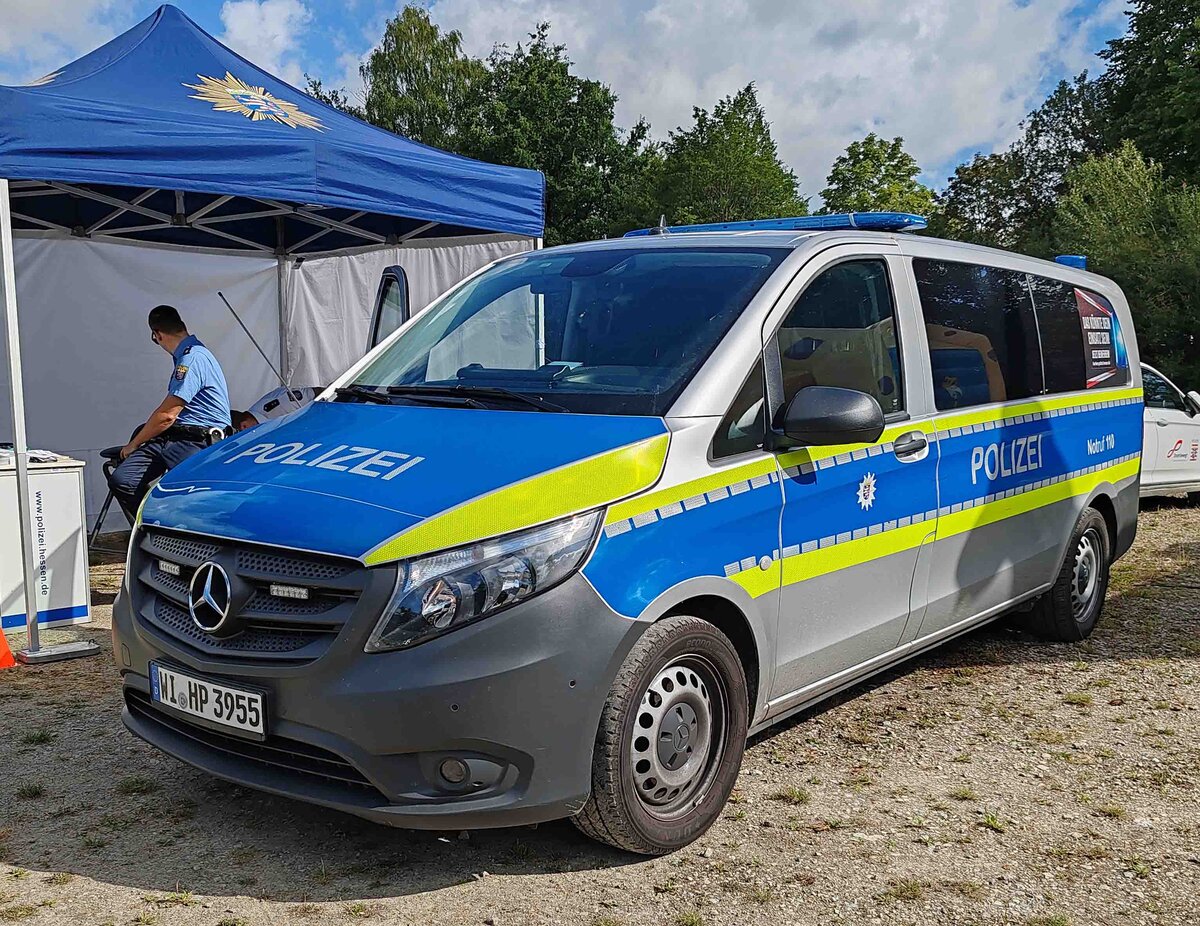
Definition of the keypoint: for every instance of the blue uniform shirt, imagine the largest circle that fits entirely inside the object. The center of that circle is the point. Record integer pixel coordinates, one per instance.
(197, 380)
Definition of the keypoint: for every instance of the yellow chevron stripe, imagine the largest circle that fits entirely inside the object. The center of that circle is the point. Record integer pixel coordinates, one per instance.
(804, 566)
(576, 487)
(960, 522)
(678, 493)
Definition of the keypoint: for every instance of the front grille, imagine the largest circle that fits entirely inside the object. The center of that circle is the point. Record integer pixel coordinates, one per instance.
(273, 628)
(276, 752)
(253, 640)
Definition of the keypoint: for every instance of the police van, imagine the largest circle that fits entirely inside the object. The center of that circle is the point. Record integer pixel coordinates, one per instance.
(565, 539)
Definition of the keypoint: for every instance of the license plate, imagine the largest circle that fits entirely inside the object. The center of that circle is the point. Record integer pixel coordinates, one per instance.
(221, 705)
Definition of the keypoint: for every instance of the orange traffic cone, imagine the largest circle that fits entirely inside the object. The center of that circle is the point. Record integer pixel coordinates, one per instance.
(6, 656)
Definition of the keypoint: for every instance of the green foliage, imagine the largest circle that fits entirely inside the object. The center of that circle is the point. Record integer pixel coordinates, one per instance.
(1008, 199)
(1142, 229)
(1153, 84)
(876, 175)
(725, 167)
(418, 81)
(531, 110)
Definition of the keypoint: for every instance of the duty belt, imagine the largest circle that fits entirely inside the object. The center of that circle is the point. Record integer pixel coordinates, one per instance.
(197, 433)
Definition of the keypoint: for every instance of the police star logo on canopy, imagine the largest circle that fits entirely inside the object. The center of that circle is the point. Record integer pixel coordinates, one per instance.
(233, 95)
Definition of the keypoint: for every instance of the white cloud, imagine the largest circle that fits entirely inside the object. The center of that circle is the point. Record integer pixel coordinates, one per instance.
(945, 74)
(269, 33)
(37, 36)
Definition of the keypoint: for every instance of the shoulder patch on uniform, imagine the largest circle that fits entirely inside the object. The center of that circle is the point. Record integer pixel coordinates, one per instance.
(180, 372)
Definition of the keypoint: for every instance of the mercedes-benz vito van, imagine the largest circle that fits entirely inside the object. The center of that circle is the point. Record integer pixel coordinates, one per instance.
(560, 543)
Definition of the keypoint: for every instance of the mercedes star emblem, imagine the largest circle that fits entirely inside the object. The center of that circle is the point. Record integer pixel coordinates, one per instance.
(209, 596)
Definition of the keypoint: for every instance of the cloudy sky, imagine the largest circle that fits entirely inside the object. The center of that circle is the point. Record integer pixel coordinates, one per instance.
(951, 76)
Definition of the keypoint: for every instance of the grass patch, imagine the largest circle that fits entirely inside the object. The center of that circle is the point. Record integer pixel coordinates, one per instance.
(1054, 919)
(137, 785)
(30, 791)
(19, 912)
(991, 821)
(1078, 699)
(964, 793)
(39, 737)
(792, 794)
(1112, 811)
(60, 878)
(172, 899)
(689, 918)
(903, 889)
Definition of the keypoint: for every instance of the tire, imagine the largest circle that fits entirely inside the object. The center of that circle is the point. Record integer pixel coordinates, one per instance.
(1193, 499)
(656, 791)
(1070, 610)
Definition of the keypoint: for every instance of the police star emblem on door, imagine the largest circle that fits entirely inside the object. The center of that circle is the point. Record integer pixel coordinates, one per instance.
(866, 492)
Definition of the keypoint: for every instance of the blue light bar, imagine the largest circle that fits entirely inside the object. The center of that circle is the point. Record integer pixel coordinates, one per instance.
(1078, 261)
(867, 221)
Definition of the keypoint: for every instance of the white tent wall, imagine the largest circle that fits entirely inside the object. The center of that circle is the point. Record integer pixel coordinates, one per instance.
(330, 299)
(92, 372)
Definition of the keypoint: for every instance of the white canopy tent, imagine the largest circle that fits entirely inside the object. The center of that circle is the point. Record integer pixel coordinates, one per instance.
(96, 375)
(165, 136)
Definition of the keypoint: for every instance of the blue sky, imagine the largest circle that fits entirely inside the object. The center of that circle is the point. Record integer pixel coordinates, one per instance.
(951, 76)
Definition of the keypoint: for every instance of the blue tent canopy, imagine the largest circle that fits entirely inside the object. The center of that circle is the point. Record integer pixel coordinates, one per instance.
(166, 135)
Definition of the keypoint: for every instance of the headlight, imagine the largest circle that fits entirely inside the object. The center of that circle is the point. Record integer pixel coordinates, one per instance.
(444, 591)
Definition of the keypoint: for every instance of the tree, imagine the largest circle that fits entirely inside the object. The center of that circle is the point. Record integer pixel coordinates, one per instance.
(530, 110)
(980, 202)
(1153, 83)
(1008, 199)
(418, 83)
(1141, 228)
(338, 98)
(876, 175)
(725, 167)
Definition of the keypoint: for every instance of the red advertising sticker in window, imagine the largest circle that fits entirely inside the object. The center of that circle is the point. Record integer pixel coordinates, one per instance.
(1103, 347)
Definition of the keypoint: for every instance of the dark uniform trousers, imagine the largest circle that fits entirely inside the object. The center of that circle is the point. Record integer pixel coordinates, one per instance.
(132, 479)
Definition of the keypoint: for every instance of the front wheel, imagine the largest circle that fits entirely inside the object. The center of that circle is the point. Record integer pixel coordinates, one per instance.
(670, 741)
(1069, 611)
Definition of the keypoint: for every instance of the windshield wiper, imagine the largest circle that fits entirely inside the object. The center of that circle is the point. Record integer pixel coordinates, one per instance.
(498, 393)
(365, 393)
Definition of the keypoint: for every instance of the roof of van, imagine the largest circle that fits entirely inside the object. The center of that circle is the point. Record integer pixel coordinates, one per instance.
(793, 240)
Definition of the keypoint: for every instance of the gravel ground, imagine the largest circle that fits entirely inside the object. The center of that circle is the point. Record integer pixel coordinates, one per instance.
(996, 780)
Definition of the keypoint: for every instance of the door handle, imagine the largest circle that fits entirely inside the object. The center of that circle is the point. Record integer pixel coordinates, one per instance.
(910, 444)
(1160, 422)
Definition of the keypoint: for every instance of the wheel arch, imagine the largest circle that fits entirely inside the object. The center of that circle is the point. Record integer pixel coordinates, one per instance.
(729, 608)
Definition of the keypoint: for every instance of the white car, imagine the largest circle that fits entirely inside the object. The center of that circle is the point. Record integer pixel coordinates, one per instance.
(1171, 444)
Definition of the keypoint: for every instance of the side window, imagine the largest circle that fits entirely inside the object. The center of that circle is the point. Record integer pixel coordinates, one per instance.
(743, 427)
(391, 310)
(1063, 354)
(983, 344)
(1081, 337)
(1158, 393)
(842, 332)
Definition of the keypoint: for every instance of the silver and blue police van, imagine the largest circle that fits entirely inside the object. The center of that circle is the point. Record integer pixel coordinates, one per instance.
(560, 543)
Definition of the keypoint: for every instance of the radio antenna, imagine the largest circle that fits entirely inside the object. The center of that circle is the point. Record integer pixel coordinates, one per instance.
(279, 377)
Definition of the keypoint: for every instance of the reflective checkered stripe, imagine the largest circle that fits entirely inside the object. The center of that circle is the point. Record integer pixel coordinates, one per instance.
(1061, 423)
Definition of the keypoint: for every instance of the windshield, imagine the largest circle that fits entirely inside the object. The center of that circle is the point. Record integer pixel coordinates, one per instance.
(610, 331)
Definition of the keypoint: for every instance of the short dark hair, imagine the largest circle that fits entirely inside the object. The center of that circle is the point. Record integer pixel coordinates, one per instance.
(165, 318)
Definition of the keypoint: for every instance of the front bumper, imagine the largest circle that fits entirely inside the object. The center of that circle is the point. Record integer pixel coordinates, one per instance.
(516, 696)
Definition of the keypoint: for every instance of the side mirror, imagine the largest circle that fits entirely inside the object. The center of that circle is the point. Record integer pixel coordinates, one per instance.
(1194, 398)
(823, 415)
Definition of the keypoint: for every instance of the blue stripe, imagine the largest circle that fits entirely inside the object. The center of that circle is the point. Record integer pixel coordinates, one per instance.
(52, 616)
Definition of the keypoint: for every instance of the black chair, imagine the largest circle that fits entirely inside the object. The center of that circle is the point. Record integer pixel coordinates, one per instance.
(112, 459)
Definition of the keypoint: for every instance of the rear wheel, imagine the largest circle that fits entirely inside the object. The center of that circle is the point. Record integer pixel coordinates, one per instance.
(670, 741)
(1070, 610)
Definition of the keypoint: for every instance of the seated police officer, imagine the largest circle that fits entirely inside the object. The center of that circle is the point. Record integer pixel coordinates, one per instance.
(194, 414)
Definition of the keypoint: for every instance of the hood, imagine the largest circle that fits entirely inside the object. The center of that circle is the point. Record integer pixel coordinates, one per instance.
(379, 483)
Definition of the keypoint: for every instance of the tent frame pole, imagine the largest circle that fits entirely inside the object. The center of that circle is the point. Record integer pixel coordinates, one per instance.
(33, 653)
